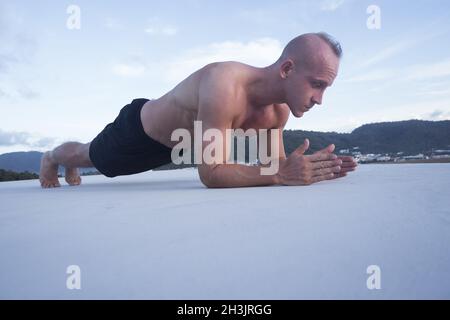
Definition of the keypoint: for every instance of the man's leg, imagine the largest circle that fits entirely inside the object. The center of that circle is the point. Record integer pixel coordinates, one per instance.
(71, 155)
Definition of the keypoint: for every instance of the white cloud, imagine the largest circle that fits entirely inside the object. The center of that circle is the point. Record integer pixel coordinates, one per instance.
(413, 72)
(257, 15)
(18, 48)
(387, 53)
(167, 31)
(12, 138)
(437, 115)
(158, 27)
(437, 92)
(27, 93)
(14, 90)
(426, 71)
(259, 52)
(331, 5)
(113, 24)
(400, 46)
(128, 70)
(376, 75)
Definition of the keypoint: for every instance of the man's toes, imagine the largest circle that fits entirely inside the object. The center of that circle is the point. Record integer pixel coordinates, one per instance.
(49, 184)
(74, 181)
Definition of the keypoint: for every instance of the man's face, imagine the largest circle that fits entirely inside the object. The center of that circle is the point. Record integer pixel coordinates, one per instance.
(306, 84)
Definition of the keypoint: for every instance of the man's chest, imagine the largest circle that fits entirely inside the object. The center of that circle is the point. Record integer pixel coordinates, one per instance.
(267, 117)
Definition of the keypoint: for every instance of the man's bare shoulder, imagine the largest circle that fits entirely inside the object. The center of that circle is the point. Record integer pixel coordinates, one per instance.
(221, 81)
(220, 96)
(228, 73)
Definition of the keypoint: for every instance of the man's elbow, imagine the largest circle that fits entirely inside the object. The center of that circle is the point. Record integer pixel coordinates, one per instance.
(209, 183)
(207, 176)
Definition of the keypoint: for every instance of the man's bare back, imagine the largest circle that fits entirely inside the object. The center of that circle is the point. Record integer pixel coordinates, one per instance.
(180, 106)
(222, 96)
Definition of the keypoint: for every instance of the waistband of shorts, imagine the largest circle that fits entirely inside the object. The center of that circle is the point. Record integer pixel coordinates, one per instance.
(140, 102)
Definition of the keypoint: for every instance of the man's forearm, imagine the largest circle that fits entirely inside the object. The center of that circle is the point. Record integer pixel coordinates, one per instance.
(238, 175)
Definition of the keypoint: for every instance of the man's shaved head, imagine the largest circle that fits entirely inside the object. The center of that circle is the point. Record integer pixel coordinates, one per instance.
(302, 49)
(307, 66)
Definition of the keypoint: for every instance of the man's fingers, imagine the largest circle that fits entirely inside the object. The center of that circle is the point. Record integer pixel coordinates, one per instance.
(348, 162)
(347, 169)
(346, 158)
(349, 165)
(302, 148)
(328, 176)
(328, 149)
(322, 156)
(326, 171)
(326, 164)
(336, 169)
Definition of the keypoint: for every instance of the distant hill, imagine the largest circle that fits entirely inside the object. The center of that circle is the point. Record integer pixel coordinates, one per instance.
(14, 176)
(410, 137)
(27, 161)
(21, 161)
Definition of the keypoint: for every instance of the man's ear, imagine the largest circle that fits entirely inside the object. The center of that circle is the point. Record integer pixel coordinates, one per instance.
(286, 68)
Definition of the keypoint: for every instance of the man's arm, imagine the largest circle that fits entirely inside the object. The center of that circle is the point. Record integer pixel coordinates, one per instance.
(218, 107)
(217, 110)
(282, 118)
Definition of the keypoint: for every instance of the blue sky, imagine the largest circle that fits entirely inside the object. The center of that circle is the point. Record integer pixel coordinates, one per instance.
(58, 84)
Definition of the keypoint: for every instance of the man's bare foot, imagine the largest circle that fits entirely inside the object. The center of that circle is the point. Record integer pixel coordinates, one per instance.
(48, 174)
(73, 176)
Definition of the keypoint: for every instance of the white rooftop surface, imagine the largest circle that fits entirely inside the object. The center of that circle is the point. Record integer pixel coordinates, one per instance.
(163, 235)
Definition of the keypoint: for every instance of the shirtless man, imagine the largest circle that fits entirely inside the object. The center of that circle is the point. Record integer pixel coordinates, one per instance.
(222, 95)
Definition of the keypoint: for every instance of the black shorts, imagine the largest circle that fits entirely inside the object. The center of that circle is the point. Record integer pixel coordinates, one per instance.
(123, 147)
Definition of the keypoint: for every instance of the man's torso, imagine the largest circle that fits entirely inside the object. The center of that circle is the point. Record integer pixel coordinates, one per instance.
(179, 107)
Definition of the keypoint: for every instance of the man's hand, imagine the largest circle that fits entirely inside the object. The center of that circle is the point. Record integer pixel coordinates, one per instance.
(348, 162)
(300, 169)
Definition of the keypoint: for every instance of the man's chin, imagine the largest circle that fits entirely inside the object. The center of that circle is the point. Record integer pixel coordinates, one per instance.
(298, 114)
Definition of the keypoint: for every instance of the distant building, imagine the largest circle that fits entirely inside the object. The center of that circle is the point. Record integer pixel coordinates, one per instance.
(368, 157)
(442, 151)
(383, 158)
(440, 156)
(415, 157)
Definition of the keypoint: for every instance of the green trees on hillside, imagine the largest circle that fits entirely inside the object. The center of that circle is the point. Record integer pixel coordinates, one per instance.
(6, 175)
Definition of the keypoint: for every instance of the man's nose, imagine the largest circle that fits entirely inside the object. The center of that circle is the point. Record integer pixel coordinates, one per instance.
(317, 99)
